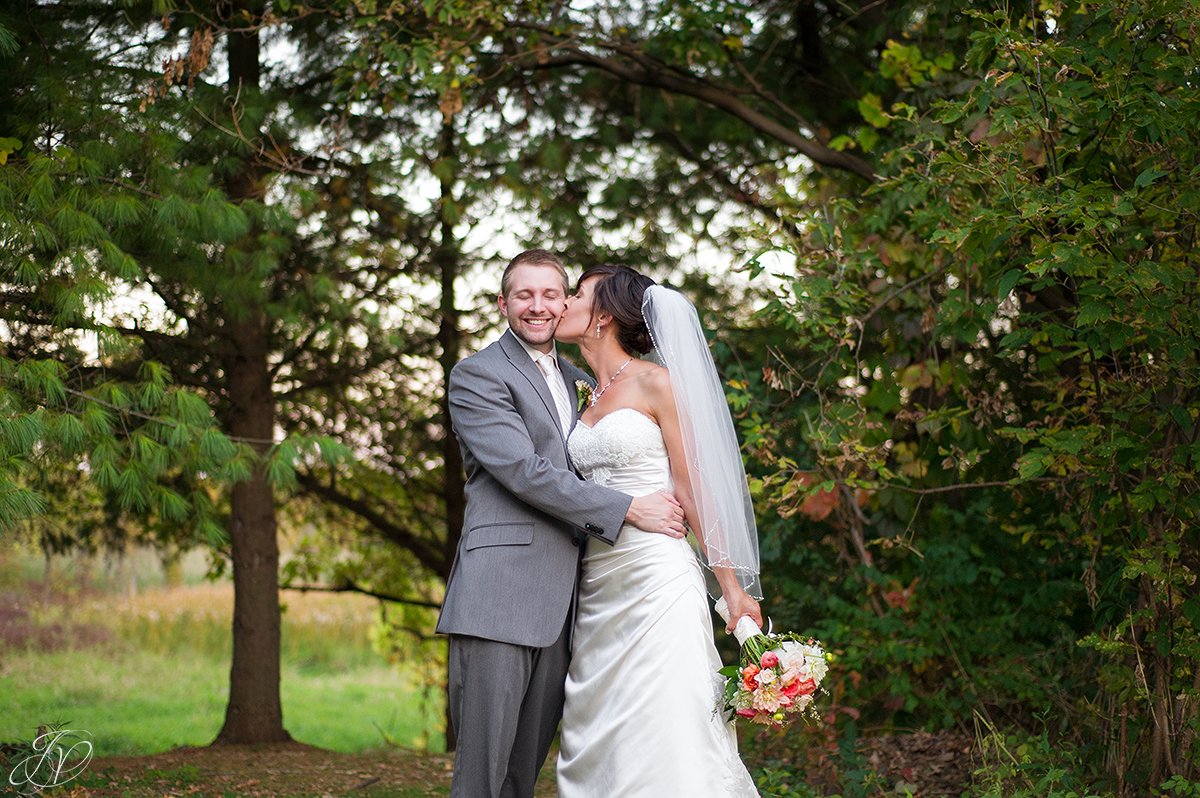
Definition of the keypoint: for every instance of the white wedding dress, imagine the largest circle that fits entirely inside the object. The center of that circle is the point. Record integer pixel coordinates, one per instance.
(642, 695)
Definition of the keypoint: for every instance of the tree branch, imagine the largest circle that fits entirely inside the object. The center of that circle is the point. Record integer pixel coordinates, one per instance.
(644, 72)
(351, 587)
(427, 554)
(729, 187)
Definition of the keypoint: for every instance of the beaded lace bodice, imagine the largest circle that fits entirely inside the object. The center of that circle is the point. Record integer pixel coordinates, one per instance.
(623, 451)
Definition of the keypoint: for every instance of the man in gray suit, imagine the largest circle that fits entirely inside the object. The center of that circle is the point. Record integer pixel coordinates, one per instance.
(509, 599)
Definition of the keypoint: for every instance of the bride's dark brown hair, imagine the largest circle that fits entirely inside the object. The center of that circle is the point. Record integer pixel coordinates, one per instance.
(619, 293)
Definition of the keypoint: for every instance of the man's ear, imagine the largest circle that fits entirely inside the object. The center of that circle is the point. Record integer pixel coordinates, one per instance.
(502, 304)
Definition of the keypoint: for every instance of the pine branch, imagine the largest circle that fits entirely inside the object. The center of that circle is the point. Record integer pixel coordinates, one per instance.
(640, 69)
(729, 187)
(428, 555)
(350, 587)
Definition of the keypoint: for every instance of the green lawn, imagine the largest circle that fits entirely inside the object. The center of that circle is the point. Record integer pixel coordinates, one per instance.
(135, 702)
(150, 672)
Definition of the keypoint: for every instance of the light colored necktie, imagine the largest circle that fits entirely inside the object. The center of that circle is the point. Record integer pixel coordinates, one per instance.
(558, 390)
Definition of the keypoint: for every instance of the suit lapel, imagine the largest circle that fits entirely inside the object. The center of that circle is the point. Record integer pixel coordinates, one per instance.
(524, 363)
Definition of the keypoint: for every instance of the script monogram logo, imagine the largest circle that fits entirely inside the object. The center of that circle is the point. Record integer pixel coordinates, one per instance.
(59, 755)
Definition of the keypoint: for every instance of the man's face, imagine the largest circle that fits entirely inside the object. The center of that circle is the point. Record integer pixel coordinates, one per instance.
(536, 299)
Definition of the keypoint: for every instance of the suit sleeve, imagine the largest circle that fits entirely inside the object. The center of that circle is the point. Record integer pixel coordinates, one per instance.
(488, 424)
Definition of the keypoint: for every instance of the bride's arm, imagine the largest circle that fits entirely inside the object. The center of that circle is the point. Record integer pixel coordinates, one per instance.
(662, 406)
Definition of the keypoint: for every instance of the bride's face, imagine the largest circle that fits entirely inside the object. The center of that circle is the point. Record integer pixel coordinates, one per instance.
(576, 320)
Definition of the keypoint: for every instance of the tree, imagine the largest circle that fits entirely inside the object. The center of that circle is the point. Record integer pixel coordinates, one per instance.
(270, 267)
(997, 369)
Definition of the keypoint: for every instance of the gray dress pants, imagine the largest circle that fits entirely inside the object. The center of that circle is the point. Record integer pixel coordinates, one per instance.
(505, 703)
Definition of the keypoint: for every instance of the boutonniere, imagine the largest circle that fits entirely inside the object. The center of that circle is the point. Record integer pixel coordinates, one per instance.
(584, 391)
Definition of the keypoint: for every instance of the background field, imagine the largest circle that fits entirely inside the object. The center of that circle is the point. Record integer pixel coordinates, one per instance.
(138, 656)
(108, 647)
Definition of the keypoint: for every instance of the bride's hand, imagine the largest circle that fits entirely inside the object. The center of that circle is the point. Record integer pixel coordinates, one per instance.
(740, 604)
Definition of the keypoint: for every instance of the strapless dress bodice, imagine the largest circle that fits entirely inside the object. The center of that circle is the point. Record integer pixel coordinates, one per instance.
(624, 451)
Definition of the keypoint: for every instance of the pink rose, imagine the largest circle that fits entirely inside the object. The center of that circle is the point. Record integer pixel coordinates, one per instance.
(746, 713)
(807, 687)
(770, 659)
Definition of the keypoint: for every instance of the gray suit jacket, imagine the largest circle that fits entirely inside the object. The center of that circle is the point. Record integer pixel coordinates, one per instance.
(516, 570)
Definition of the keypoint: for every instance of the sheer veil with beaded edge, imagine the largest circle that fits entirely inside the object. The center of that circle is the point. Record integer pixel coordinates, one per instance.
(714, 459)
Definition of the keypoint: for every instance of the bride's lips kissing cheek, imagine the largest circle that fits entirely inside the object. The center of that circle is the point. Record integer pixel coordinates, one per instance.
(576, 316)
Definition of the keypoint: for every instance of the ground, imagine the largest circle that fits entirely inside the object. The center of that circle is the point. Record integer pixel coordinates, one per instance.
(290, 769)
(919, 764)
(151, 667)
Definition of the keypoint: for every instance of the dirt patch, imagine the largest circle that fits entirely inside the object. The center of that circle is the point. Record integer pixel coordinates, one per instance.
(290, 769)
(922, 764)
(926, 764)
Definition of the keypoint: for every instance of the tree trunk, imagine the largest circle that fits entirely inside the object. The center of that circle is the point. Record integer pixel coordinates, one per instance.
(254, 713)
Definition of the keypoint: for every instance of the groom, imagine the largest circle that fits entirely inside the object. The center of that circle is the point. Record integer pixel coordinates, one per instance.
(509, 599)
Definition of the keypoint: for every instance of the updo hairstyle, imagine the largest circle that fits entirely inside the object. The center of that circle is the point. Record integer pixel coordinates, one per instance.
(619, 293)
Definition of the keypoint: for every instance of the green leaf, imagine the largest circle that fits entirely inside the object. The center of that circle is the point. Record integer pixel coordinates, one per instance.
(215, 446)
(841, 143)
(867, 138)
(7, 145)
(172, 506)
(1147, 177)
(1092, 312)
(18, 503)
(1032, 465)
(70, 432)
(871, 108)
(1008, 282)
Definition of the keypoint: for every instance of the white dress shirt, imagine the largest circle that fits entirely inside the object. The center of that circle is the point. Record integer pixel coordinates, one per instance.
(547, 364)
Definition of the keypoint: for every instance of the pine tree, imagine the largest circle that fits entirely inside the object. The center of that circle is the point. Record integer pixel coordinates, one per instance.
(224, 229)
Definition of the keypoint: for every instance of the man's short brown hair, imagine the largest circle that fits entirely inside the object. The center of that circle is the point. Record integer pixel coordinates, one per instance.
(535, 257)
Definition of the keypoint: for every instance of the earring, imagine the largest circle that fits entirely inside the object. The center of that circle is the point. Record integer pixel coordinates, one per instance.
(597, 329)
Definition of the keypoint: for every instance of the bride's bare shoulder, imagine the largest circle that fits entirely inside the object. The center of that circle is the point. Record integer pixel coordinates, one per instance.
(656, 384)
(654, 374)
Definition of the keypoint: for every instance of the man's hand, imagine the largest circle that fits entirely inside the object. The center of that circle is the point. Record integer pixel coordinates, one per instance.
(657, 512)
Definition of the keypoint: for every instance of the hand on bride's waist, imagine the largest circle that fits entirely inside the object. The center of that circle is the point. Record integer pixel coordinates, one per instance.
(657, 512)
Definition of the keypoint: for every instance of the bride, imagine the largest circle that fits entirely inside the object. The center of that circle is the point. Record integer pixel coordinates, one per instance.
(642, 693)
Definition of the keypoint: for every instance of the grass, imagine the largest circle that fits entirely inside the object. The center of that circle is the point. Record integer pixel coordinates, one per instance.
(137, 702)
(145, 671)
(149, 672)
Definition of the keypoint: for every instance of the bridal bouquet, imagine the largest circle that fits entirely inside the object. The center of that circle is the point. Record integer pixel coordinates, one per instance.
(777, 675)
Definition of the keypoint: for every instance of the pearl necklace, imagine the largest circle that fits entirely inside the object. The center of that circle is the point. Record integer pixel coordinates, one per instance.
(596, 396)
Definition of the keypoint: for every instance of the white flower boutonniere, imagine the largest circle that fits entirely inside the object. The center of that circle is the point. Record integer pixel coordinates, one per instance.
(584, 391)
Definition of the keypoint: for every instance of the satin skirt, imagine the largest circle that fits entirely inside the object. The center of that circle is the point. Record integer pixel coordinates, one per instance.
(643, 693)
